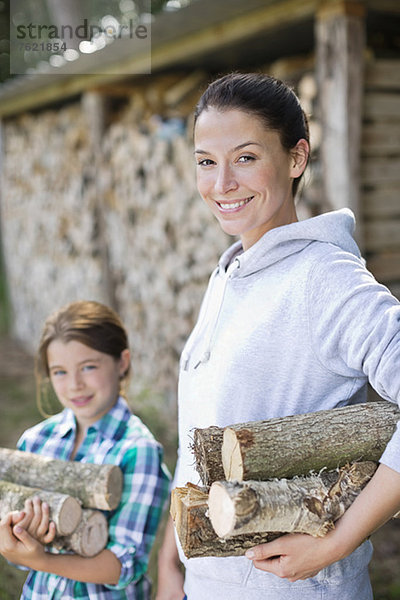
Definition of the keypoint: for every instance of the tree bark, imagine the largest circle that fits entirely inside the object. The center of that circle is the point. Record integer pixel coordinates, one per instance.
(89, 538)
(65, 510)
(96, 486)
(308, 505)
(296, 445)
(206, 448)
(194, 529)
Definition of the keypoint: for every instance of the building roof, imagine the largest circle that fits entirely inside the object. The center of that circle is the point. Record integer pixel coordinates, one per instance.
(205, 33)
(213, 35)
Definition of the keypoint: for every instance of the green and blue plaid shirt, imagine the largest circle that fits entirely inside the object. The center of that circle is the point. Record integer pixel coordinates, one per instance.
(118, 438)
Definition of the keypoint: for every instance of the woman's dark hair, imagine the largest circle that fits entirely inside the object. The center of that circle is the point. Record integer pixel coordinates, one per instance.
(91, 323)
(267, 98)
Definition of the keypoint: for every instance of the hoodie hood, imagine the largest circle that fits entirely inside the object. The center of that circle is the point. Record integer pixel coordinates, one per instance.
(336, 227)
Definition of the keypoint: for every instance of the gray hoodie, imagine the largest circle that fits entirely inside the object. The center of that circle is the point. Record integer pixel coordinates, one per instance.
(294, 324)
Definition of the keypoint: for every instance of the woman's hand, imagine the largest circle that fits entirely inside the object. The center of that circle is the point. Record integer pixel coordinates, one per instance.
(294, 556)
(299, 556)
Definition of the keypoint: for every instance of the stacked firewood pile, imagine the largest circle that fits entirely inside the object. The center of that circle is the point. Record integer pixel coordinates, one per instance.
(104, 205)
(262, 479)
(76, 493)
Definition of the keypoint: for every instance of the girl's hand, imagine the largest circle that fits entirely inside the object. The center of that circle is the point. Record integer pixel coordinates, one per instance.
(6, 525)
(17, 545)
(295, 556)
(37, 521)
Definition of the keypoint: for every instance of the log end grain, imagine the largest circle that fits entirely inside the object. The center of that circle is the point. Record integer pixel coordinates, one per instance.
(91, 535)
(231, 456)
(221, 510)
(114, 486)
(69, 516)
(95, 535)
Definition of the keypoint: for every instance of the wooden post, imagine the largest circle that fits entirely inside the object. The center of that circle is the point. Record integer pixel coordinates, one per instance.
(340, 43)
(94, 106)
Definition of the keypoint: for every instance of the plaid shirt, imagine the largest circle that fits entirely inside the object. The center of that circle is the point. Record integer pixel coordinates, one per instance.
(118, 438)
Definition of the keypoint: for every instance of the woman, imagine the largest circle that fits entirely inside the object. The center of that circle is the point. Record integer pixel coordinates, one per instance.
(292, 322)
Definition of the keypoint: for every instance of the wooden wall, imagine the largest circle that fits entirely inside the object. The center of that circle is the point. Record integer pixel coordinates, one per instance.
(380, 171)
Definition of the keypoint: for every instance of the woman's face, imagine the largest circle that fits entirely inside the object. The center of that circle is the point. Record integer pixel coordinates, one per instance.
(244, 174)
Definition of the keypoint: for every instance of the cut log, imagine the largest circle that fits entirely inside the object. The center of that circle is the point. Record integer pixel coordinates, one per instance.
(297, 445)
(194, 529)
(65, 510)
(96, 486)
(89, 538)
(300, 505)
(206, 448)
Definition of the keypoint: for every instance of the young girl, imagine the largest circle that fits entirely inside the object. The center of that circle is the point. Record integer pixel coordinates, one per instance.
(292, 322)
(84, 351)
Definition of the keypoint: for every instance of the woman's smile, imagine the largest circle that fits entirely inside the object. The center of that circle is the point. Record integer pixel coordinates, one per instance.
(234, 205)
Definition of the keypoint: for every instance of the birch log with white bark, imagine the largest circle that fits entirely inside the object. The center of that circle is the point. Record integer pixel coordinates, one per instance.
(89, 538)
(308, 505)
(96, 486)
(296, 445)
(65, 510)
(195, 532)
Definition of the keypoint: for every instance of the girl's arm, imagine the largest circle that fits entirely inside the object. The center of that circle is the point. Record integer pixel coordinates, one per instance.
(20, 547)
(301, 556)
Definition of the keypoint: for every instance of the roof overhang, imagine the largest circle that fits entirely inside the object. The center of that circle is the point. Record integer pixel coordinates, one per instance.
(200, 34)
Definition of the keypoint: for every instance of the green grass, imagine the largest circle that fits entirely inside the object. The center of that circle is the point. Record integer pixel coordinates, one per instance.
(11, 581)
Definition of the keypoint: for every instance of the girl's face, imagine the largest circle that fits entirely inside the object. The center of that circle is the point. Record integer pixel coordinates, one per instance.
(244, 174)
(85, 380)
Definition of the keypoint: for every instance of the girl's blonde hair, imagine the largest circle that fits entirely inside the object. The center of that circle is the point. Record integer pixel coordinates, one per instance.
(91, 323)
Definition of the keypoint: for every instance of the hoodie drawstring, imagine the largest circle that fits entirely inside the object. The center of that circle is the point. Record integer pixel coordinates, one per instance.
(207, 352)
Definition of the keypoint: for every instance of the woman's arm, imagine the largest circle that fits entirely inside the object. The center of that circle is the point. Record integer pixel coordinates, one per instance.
(20, 547)
(170, 576)
(301, 556)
